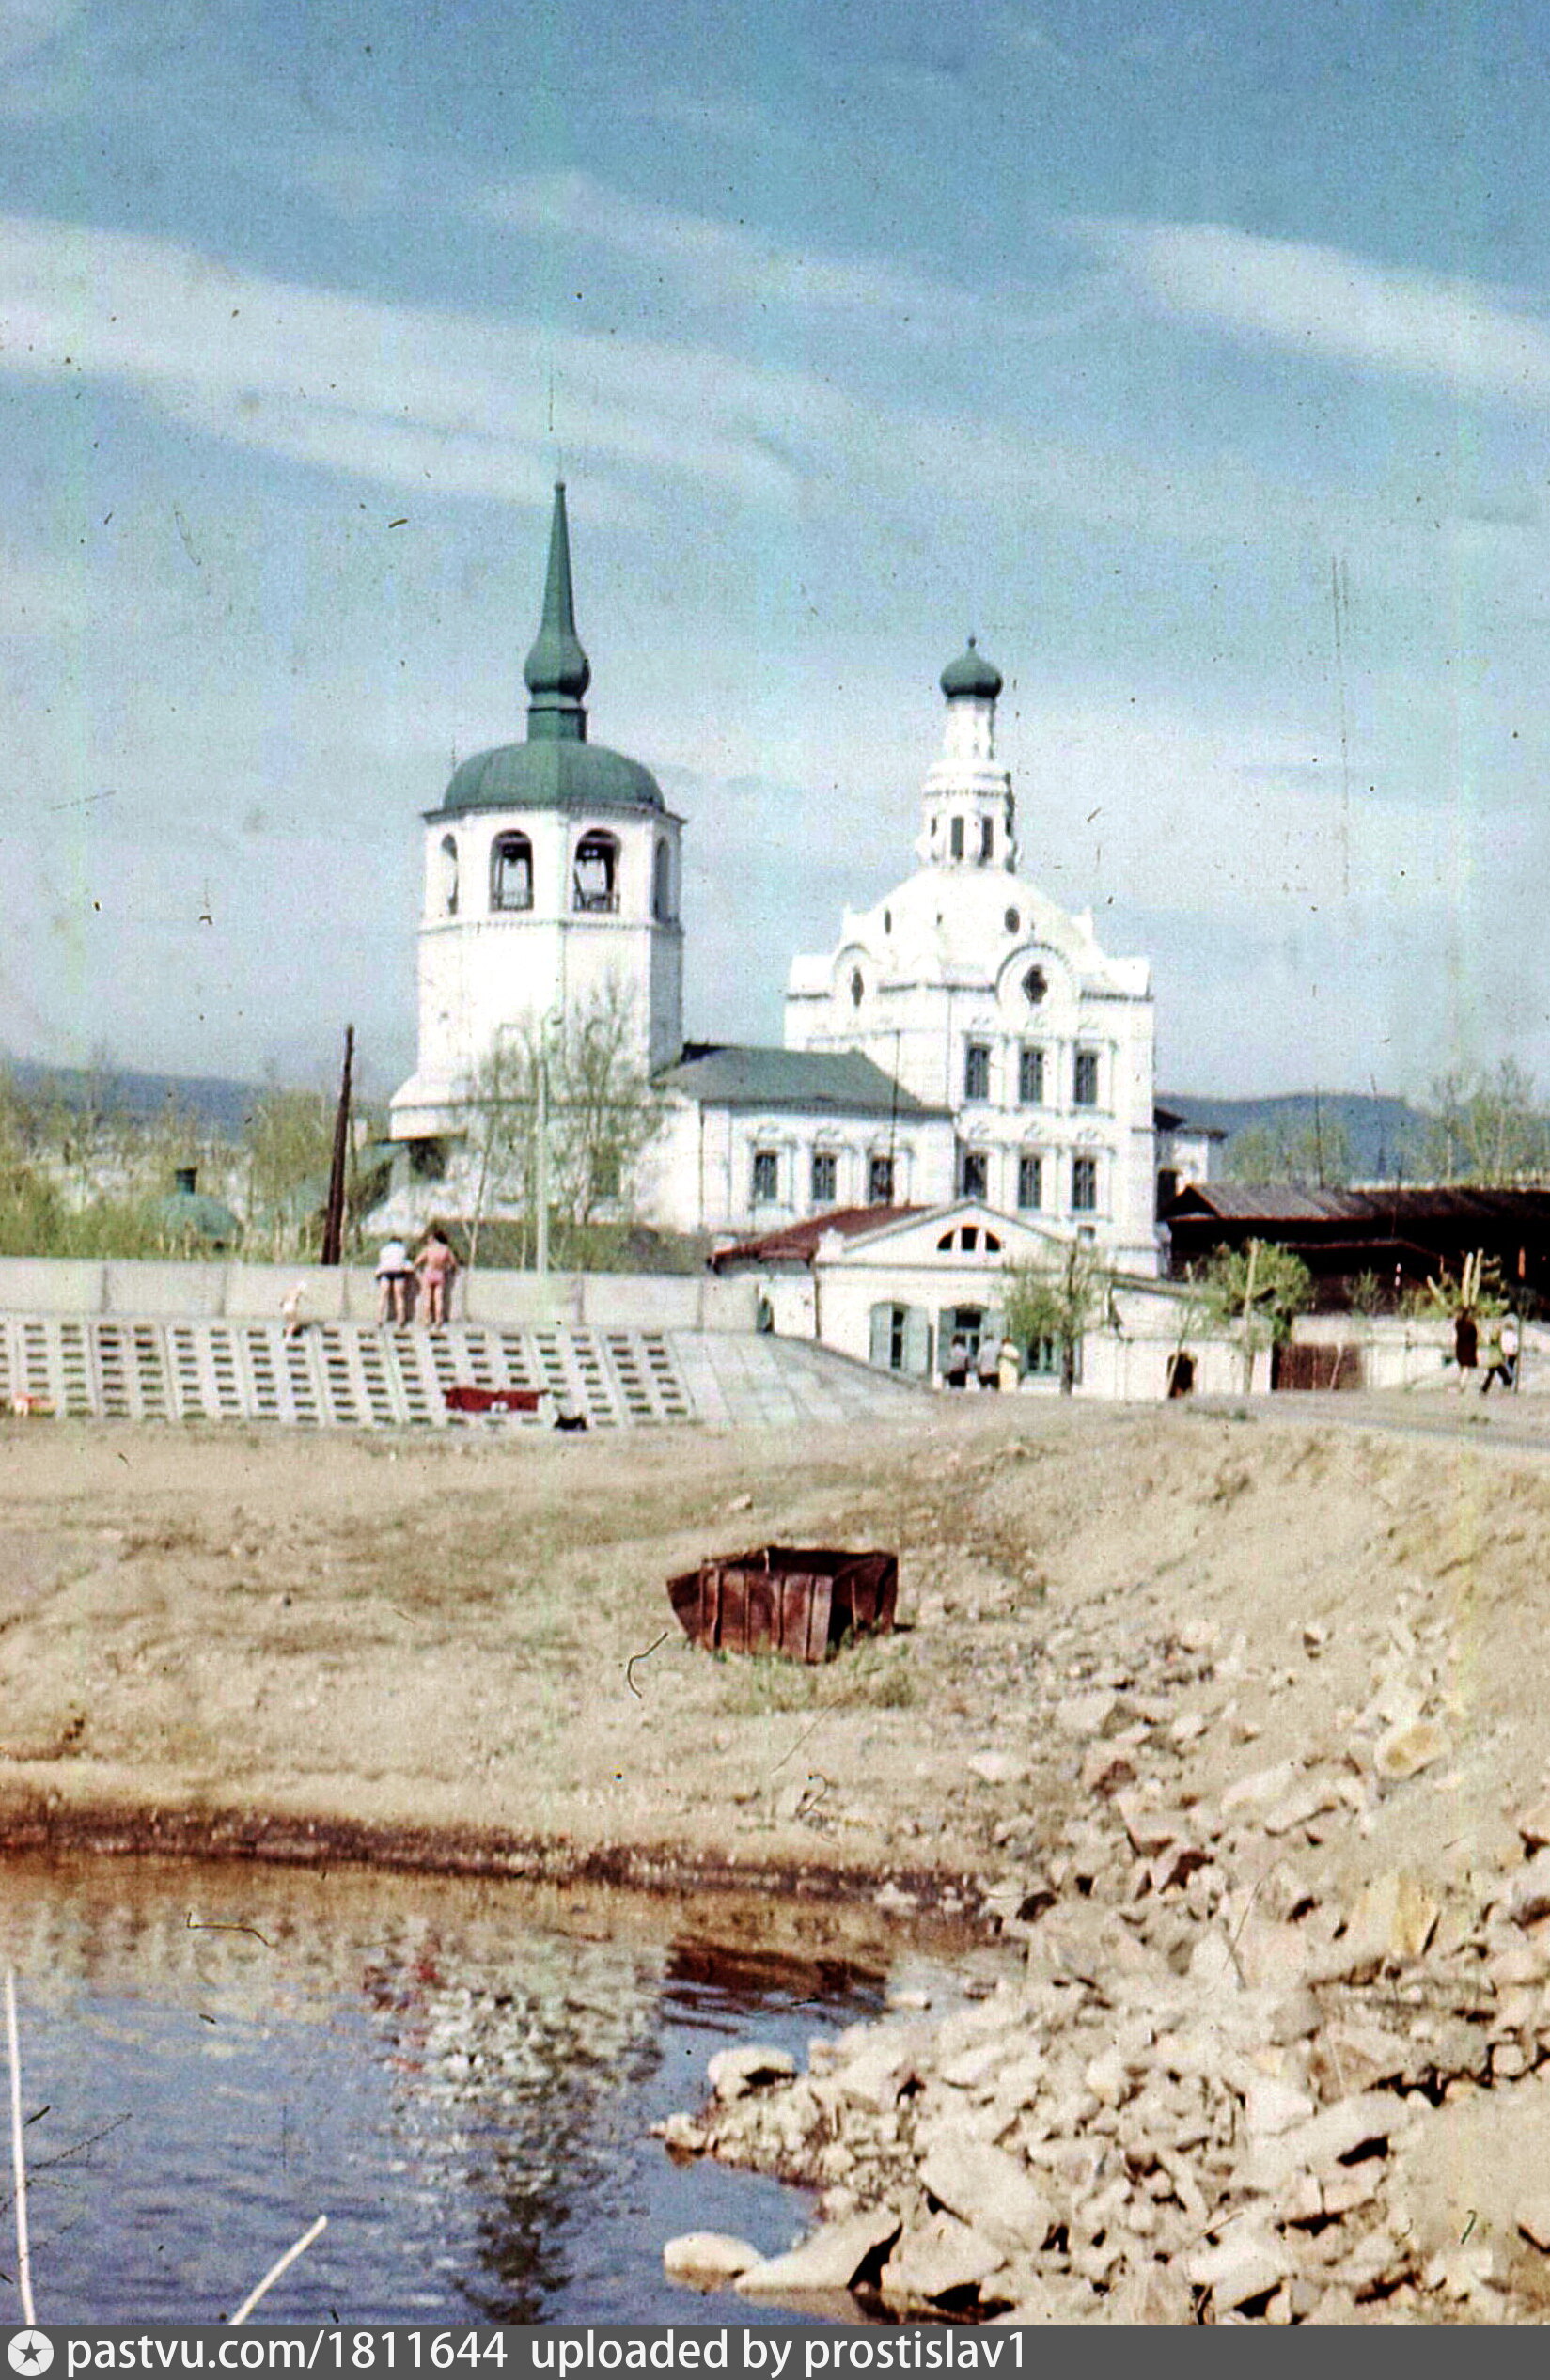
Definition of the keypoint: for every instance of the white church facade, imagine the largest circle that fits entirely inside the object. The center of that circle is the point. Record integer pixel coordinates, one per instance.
(965, 1039)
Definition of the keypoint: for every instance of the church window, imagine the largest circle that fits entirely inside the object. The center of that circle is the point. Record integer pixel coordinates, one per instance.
(1030, 1077)
(1167, 1187)
(987, 838)
(662, 883)
(1085, 1082)
(955, 843)
(1030, 1180)
(879, 1181)
(1013, 922)
(1083, 1186)
(1035, 984)
(766, 1180)
(824, 1177)
(596, 875)
(888, 921)
(858, 988)
(511, 872)
(427, 1161)
(976, 1071)
(450, 875)
(974, 1168)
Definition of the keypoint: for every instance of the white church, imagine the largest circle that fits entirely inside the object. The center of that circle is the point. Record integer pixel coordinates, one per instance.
(965, 1041)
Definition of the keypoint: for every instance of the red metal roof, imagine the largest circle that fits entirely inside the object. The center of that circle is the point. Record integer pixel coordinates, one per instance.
(797, 1242)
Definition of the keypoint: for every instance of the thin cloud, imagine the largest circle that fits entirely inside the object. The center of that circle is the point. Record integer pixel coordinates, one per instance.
(725, 262)
(1323, 301)
(437, 401)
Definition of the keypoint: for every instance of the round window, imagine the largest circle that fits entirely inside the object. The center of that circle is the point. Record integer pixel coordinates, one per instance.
(1035, 985)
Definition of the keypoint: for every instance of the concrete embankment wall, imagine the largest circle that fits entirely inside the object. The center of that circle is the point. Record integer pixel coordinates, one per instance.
(253, 1293)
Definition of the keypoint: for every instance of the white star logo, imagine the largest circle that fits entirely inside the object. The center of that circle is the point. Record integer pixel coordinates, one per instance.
(28, 2350)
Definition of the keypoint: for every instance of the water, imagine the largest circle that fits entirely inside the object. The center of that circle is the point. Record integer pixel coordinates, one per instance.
(462, 2077)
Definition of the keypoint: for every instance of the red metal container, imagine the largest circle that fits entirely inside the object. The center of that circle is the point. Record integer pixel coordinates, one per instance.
(799, 1601)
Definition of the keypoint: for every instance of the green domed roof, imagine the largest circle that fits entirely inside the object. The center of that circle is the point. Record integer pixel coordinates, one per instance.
(549, 774)
(972, 674)
(556, 769)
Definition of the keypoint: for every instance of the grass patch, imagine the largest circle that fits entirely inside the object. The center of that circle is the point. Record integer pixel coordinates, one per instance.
(870, 1676)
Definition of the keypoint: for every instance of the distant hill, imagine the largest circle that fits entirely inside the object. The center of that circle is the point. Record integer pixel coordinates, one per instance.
(1386, 1136)
(218, 1104)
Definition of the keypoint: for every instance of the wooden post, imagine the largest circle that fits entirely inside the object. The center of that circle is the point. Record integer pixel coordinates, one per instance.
(1249, 1317)
(333, 1213)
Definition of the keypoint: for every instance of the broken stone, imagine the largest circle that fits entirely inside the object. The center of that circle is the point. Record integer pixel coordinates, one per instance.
(1395, 1917)
(1212, 1963)
(1086, 1713)
(1528, 1896)
(1532, 2218)
(708, 2259)
(875, 2074)
(1308, 1798)
(988, 2190)
(1150, 1830)
(1261, 1790)
(998, 1768)
(1534, 1827)
(1271, 2107)
(830, 2260)
(1153, 2297)
(1405, 1750)
(734, 2073)
(941, 2257)
(1248, 2262)
(1105, 1768)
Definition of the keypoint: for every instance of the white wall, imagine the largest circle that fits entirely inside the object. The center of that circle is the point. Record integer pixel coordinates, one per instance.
(612, 1301)
(1400, 1352)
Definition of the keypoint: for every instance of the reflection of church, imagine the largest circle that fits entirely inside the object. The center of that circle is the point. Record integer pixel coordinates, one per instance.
(966, 1037)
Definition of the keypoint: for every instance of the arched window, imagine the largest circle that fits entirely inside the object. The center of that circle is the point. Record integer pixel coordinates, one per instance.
(662, 883)
(595, 877)
(511, 872)
(450, 875)
(955, 838)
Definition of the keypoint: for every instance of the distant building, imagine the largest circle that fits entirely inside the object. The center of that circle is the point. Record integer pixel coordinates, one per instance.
(966, 1037)
(1398, 1238)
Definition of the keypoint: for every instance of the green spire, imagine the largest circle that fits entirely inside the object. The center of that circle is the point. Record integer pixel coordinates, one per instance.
(557, 671)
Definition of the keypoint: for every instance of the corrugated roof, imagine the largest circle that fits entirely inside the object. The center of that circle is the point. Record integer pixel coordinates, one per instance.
(839, 1081)
(798, 1242)
(1256, 1202)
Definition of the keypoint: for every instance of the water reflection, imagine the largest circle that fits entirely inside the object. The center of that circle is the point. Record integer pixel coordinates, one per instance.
(213, 2056)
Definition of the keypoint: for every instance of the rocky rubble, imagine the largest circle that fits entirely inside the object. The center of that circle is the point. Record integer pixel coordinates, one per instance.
(1214, 2079)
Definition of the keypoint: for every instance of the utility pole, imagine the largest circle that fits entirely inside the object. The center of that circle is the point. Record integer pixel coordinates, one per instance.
(334, 1213)
(540, 1166)
(1248, 1315)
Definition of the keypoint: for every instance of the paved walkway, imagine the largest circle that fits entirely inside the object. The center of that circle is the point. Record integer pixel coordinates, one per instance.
(352, 1376)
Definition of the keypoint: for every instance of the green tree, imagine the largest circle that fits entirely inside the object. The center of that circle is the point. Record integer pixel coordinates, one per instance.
(1059, 1302)
(603, 1112)
(1311, 1156)
(1257, 1290)
(1487, 1129)
(287, 1149)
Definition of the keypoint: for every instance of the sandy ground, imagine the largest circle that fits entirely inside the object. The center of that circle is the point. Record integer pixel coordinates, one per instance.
(1211, 1698)
(420, 1636)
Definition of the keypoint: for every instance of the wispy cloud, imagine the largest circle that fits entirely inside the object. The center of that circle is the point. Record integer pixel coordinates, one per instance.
(1323, 301)
(716, 259)
(29, 25)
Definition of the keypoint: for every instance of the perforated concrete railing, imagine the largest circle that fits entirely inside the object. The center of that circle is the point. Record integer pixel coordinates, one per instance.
(333, 1375)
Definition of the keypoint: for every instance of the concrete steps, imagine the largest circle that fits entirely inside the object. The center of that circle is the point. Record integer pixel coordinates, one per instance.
(340, 1375)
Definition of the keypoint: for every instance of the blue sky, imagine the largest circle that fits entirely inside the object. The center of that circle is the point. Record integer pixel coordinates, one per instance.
(1196, 357)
